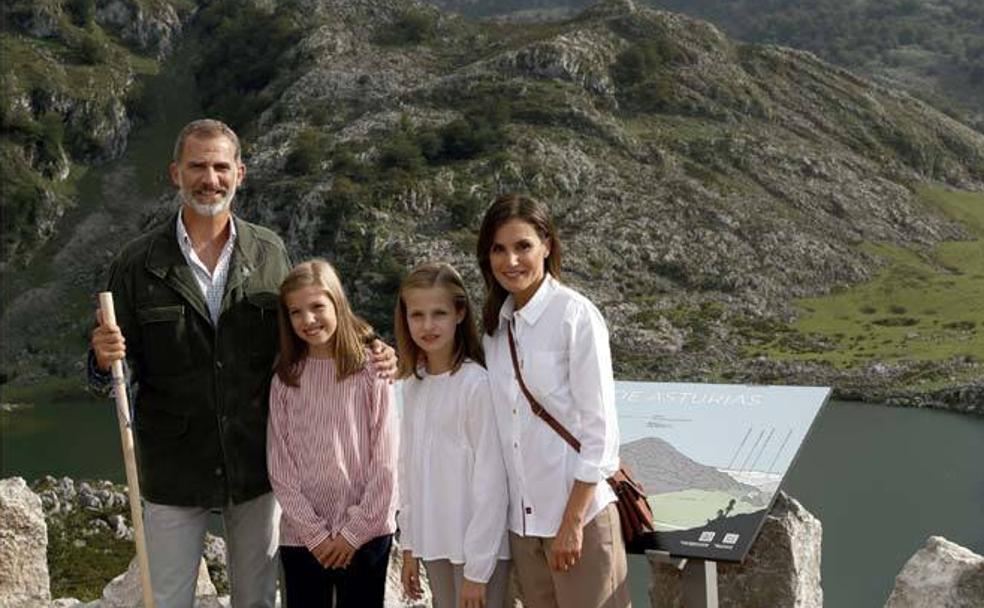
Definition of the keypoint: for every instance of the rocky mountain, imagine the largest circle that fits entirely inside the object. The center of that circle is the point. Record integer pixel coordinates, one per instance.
(932, 48)
(68, 74)
(701, 185)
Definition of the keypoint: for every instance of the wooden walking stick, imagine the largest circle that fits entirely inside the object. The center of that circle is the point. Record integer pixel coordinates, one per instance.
(129, 457)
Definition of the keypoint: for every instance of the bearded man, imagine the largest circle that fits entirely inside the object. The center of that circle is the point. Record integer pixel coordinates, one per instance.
(196, 299)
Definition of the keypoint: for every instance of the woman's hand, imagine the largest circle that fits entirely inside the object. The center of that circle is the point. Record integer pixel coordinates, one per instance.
(320, 552)
(472, 595)
(335, 552)
(411, 577)
(565, 551)
(383, 359)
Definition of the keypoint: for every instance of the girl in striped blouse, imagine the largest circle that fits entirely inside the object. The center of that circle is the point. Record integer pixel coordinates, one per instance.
(453, 493)
(331, 448)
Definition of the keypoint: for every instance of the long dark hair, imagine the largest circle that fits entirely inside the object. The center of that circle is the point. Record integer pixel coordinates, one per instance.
(350, 334)
(466, 341)
(504, 208)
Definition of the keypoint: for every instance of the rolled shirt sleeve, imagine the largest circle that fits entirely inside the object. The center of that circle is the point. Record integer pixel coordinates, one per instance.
(593, 392)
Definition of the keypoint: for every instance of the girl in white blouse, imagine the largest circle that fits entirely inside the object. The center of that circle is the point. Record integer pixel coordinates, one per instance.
(453, 494)
(565, 537)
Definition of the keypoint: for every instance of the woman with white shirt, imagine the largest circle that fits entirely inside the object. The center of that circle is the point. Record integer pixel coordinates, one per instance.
(564, 532)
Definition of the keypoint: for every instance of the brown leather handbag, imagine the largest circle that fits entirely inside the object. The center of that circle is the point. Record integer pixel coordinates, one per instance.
(634, 513)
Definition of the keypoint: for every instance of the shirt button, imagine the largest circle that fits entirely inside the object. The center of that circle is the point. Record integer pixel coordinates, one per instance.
(218, 471)
(516, 444)
(218, 365)
(514, 411)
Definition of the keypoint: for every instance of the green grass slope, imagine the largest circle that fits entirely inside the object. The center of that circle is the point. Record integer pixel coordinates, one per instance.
(922, 306)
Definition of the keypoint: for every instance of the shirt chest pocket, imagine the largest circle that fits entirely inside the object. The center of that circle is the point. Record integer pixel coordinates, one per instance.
(259, 330)
(165, 339)
(545, 371)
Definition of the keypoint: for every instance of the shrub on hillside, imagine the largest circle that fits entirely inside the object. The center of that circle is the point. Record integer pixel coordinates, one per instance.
(82, 12)
(52, 137)
(468, 138)
(413, 26)
(341, 204)
(345, 163)
(401, 152)
(92, 51)
(466, 209)
(306, 155)
(645, 59)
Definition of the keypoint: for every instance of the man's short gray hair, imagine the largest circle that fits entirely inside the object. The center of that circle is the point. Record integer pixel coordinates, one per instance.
(206, 127)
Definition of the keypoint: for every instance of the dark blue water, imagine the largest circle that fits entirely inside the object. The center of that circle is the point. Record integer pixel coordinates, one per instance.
(882, 480)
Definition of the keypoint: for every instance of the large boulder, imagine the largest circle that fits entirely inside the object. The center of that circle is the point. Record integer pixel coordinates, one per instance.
(782, 568)
(215, 559)
(125, 590)
(23, 546)
(940, 575)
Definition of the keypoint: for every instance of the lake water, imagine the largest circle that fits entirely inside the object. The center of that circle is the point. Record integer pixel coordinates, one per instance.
(880, 479)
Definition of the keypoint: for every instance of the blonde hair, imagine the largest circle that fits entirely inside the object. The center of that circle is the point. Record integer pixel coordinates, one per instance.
(467, 344)
(351, 332)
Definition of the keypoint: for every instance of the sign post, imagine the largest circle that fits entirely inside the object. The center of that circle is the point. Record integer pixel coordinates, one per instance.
(700, 584)
(699, 579)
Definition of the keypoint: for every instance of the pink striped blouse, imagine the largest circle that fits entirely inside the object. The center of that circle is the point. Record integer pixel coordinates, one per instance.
(331, 455)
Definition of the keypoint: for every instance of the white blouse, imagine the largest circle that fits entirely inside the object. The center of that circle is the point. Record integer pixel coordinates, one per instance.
(453, 493)
(562, 346)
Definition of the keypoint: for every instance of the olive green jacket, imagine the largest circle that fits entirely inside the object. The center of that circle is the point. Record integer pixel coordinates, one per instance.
(200, 412)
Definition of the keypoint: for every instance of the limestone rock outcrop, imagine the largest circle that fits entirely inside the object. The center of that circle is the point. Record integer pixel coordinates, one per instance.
(940, 575)
(782, 568)
(23, 546)
(124, 591)
(152, 28)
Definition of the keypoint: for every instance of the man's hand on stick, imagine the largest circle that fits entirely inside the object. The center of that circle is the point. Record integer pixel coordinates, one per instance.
(107, 343)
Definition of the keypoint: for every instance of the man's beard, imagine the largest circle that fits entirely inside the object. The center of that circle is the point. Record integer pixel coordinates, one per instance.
(208, 209)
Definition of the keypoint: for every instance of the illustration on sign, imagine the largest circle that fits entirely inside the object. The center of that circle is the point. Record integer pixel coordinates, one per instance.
(711, 458)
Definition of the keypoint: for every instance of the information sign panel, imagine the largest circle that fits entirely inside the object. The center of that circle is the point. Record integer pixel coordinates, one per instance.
(711, 458)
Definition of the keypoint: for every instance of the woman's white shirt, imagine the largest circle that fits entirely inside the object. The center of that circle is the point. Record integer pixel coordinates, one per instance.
(453, 492)
(562, 346)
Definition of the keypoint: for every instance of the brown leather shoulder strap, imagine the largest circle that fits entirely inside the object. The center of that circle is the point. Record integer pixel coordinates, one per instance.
(538, 409)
